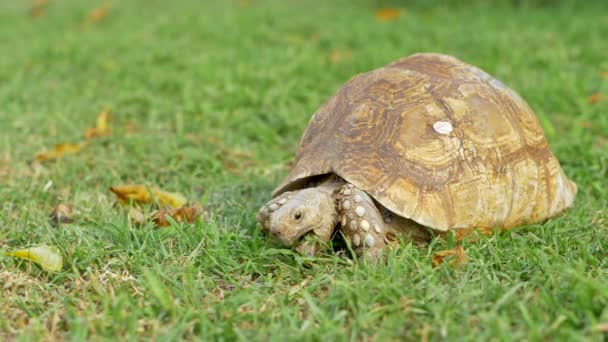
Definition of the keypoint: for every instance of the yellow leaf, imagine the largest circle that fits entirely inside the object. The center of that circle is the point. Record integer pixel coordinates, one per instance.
(386, 14)
(48, 257)
(98, 14)
(140, 193)
(184, 213)
(102, 126)
(60, 151)
(460, 256)
(595, 98)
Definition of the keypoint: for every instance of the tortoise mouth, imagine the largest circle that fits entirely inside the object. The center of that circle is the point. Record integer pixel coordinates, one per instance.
(308, 244)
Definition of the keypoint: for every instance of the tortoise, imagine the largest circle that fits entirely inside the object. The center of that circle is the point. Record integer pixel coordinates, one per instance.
(419, 147)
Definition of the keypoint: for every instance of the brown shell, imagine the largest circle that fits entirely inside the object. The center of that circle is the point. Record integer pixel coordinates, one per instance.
(494, 169)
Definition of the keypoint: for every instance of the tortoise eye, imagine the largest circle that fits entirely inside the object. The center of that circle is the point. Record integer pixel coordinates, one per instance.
(297, 215)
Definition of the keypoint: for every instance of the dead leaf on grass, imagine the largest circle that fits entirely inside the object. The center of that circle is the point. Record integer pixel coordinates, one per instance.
(604, 75)
(387, 14)
(186, 214)
(595, 98)
(140, 193)
(38, 8)
(96, 15)
(136, 217)
(59, 151)
(460, 257)
(602, 327)
(102, 125)
(62, 213)
(48, 257)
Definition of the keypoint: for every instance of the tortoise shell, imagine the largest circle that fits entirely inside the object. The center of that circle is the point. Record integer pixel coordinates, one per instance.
(438, 141)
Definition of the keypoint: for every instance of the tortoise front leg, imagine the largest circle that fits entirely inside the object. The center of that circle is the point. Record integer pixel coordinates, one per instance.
(361, 222)
(370, 231)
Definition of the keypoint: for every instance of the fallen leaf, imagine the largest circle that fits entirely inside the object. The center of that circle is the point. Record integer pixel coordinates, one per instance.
(48, 257)
(98, 14)
(458, 252)
(62, 213)
(136, 217)
(140, 193)
(386, 14)
(337, 56)
(59, 151)
(585, 124)
(187, 214)
(470, 233)
(604, 74)
(38, 8)
(102, 125)
(602, 327)
(595, 98)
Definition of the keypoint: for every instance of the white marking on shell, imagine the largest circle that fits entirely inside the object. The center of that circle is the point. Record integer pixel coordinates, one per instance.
(358, 198)
(360, 211)
(283, 200)
(377, 228)
(369, 240)
(443, 127)
(346, 204)
(273, 207)
(356, 239)
(364, 225)
(346, 192)
(353, 225)
(343, 220)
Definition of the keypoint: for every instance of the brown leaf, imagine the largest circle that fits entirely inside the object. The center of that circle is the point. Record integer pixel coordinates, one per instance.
(595, 98)
(97, 15)
(470, 233)
(459, 253)
(604, 75)
(38, 8)
(602, 327)
(139, 193)
(62, 213)
(387, 14)
(187, 214)
(102, 125)
(59, 151)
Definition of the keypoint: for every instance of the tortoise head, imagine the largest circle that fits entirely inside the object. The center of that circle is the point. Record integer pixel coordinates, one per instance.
(292, 217)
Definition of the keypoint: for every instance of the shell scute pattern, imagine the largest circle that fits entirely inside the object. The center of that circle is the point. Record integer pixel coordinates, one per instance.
(377, 133)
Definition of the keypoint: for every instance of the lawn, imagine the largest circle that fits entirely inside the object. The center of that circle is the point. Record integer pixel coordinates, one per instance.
(209, 99)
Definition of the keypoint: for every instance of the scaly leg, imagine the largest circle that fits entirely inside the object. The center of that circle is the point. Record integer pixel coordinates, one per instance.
(370, 231)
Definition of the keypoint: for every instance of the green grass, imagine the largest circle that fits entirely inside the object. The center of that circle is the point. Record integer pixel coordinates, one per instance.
(182, 76)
